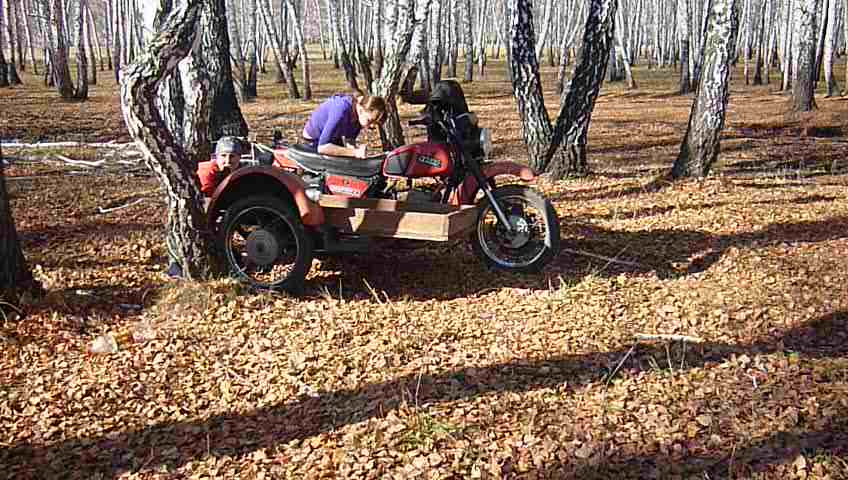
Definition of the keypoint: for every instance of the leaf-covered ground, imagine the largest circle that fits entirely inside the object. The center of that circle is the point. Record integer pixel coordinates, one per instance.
(421, 364)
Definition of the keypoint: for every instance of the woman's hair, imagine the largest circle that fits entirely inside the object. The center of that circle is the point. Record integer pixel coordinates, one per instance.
(371, 103)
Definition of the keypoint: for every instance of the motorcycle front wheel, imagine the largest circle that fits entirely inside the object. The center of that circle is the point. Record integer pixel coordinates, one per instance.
(534, 238)
(266, 245)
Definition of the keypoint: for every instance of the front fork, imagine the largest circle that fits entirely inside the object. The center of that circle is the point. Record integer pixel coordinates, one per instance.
(484, 185)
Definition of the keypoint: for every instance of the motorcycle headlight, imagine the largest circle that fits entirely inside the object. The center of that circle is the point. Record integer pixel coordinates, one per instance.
(486, 141)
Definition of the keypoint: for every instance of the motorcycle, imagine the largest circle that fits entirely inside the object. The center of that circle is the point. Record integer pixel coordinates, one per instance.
(290, 203)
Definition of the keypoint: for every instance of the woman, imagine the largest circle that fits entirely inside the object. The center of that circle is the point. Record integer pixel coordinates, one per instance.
(333, 127)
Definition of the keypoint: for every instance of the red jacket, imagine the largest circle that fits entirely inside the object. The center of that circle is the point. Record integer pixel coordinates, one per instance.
(210, 176)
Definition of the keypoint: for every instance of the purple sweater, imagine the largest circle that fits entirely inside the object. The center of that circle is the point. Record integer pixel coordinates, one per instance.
(332, 121)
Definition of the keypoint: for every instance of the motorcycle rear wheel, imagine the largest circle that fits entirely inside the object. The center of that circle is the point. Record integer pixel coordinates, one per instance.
(266, 245)
(534, 240)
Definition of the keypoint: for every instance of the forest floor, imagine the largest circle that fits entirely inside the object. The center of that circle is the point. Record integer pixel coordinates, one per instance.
(422, 364)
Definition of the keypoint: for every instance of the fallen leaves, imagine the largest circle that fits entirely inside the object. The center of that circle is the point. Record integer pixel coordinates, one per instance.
(423, 364)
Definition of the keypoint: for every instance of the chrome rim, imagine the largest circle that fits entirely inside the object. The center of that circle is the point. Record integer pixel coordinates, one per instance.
(527, 241)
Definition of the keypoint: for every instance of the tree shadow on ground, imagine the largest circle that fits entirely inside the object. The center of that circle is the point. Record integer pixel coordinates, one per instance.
(742, 462)
(103, 230)
(413, 271)
(657, 210)
(672, 252)
(450, 271)
(236, 434)
(611, 192)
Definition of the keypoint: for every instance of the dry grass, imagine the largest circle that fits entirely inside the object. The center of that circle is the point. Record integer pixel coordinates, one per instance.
(456, 372)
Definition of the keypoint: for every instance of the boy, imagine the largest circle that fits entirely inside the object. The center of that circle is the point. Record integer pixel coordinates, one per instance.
(211, 173)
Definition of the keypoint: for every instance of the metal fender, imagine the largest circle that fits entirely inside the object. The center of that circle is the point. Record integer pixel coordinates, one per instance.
(253, 179)
(467, 191)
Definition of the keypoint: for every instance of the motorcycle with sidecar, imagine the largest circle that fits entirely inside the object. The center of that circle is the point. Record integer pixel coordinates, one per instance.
(290, 203)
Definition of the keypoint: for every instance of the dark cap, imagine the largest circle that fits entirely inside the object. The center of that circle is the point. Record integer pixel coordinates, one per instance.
(228, 145)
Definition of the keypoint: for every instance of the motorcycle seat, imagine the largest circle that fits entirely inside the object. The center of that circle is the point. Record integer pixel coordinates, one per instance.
(314, 162)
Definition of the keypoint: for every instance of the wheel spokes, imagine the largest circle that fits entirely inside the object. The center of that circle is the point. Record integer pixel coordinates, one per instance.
(260, 246)
(521, 246)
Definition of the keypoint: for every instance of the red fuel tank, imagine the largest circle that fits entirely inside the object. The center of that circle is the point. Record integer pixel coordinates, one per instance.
(419, 160)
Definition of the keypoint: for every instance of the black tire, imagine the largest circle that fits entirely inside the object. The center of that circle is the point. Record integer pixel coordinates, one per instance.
(266, 245)
(537, 242)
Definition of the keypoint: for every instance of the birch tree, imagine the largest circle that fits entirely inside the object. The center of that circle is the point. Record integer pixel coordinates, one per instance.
(831, 37)
(24, 10)
(189, 238)
(243, 46)
(805, 51)
(577, 101)
(11, 66)
(4, 66)
(81, 87)
(701, 146)
(397, 50)
(683, 19)
(543, 141)
(845, 40)
(536, 127)
(279, 47)
(297, 25)
(468, 38)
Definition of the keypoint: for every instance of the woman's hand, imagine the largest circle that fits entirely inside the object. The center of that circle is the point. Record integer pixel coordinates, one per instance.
(359, 152)
(339, 151)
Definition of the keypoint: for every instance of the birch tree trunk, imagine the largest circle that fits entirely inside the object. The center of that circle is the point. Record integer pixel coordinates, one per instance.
(251, 91)
(547, 20)
(213, 56)
(15, 275)
(805, 51)
(831, 38)
(12, 70)
(578, 99)
(57, 48)
(788, 49)
(237, 44)
(89, 38)
(171, 99)
(4, 68)
(26, 9)
(624, 53)
(845, 38)
(536, 128)
(94, 42)
(683, 42)
(701, 146)
(468, 39)
(108, 33)
(190, 241)
(760, 47)
(823, 17)
(416, 59)
(481, 40)
(81, 89)
(117, 41)
(301, 47)
(15, 18)
(435, 49)
(397, 48)
(334, 18)
(453, 42)
(276, 46)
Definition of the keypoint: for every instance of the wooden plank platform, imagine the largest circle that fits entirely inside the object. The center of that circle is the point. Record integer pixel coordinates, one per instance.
(389, 218)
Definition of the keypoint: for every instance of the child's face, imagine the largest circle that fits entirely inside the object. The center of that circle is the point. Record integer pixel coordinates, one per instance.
(368, 118)
(227, 160)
